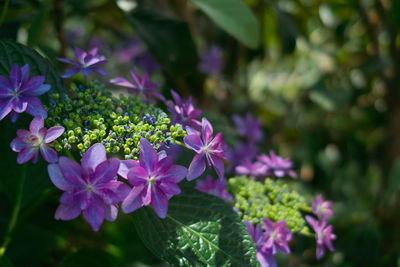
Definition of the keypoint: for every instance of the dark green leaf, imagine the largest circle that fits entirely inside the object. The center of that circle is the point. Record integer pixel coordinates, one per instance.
(5, 262)
(35, 32)
(87, 257)
(199, 230)
(168, 39)
(234, 17)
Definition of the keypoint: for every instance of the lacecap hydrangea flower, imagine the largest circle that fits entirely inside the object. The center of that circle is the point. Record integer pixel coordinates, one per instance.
(154, 181)
(277, 166)
(91, 188)
(264, 255)
(29, 143)
(323, 235)
(322, 208)
(87, 62)
(206, 148)
(18, 93)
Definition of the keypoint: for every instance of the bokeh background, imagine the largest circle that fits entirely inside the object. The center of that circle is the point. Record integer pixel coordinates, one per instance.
(324, 79)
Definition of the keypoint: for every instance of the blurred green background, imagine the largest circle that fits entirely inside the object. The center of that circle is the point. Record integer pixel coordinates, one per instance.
(323, 77)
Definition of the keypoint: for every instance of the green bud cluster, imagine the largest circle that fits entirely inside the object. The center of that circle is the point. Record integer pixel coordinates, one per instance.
(271, 199)
(93, 115)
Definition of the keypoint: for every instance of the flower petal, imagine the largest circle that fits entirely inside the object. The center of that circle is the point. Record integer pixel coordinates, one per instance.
(67, 212)
(175, 174)
(169, 188)
(122, 82)
(106, 171)
(206, 131)
(26, 154)
(14, 116)
(194, 142)
(5, 88)
(53, 133)
(5, 108)
(137, 176)
(111, 212)
(197, 167)
(125, 166)
(15, 76)
(218, 165)
(134, 199)
(148, 157)
(49, 154)
(57, 178)
(36, 124)
(25, 72)
(35, 107)
(95, 155)
(159, 202)
(70, 72)
(95, 214)
(71, 170)
(32, 87)
(19, 104)
(17, 145)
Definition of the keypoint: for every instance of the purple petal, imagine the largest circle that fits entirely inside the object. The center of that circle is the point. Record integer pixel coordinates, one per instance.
(26, 154)
(58, 179)
(67, 212)
(14, 116)
(5, 88)
(71, 170)
(197, 167)
(15, 76)
(169, 188)
(159, 202)
(25, 72)
(136, 78)
(320, 251)
(100, 70)
(106, 171)
(122, 82)
(206, 131)
(36, 124)
(119, 188)
(17, 145)
(194, 142)
(148, 157)
(79, 54)
(19, 104)
(66, 60)
(111, 212)
(53, 133)
(95, 155)
(5, 108)
(175, 174)
(70, 72)
(49, 154)
(313, 222)
(137, 176)
(34, 86)
(125, 166)
(266, 260)
(94, 214)
(218, 165)
(134, 200)
(35, 107)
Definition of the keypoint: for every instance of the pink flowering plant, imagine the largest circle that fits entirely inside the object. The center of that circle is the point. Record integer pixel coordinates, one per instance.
(193, 198)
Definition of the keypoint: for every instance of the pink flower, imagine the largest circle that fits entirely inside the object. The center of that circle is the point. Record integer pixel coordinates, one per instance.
(29, 143)
(323, 235)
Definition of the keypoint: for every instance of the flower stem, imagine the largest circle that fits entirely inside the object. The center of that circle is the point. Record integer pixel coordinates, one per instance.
(69, 154)
(15, 213)
(4, 11)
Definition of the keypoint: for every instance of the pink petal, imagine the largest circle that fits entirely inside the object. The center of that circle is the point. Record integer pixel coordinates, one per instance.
(122, 82)
(36, 124)
(53, 133)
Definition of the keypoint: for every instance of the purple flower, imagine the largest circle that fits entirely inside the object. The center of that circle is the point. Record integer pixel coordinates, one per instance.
(264, 255)
(241, 153)
(154, 181)
(256, 169)
(277, 165)
(140, 86)
(28, 143)
(183, 111)
(277, 236)
(323, 235)
(322, 208)
(91, 188)
(209, 148)
(86, 63)
(248, 127)
(211, 61)
(214, 187)
(18, 93)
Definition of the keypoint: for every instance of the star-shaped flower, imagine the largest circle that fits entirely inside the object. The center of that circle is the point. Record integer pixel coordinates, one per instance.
(277, 236)
(91, 188)
(209, 148)
(87, 62)
(264, 255)
(277, 165)
(140, 86)
(323, 235)
(322, 208)
(18, 93)
(154, 181)
(29, 143)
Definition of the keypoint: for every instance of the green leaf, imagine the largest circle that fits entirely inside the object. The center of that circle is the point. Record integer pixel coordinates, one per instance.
(199, 230)
(35, 32)
(5, 262)
(87, 257)
(234, 17)
(168, 40)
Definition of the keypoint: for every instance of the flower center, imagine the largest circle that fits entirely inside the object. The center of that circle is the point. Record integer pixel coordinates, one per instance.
(89, 187)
